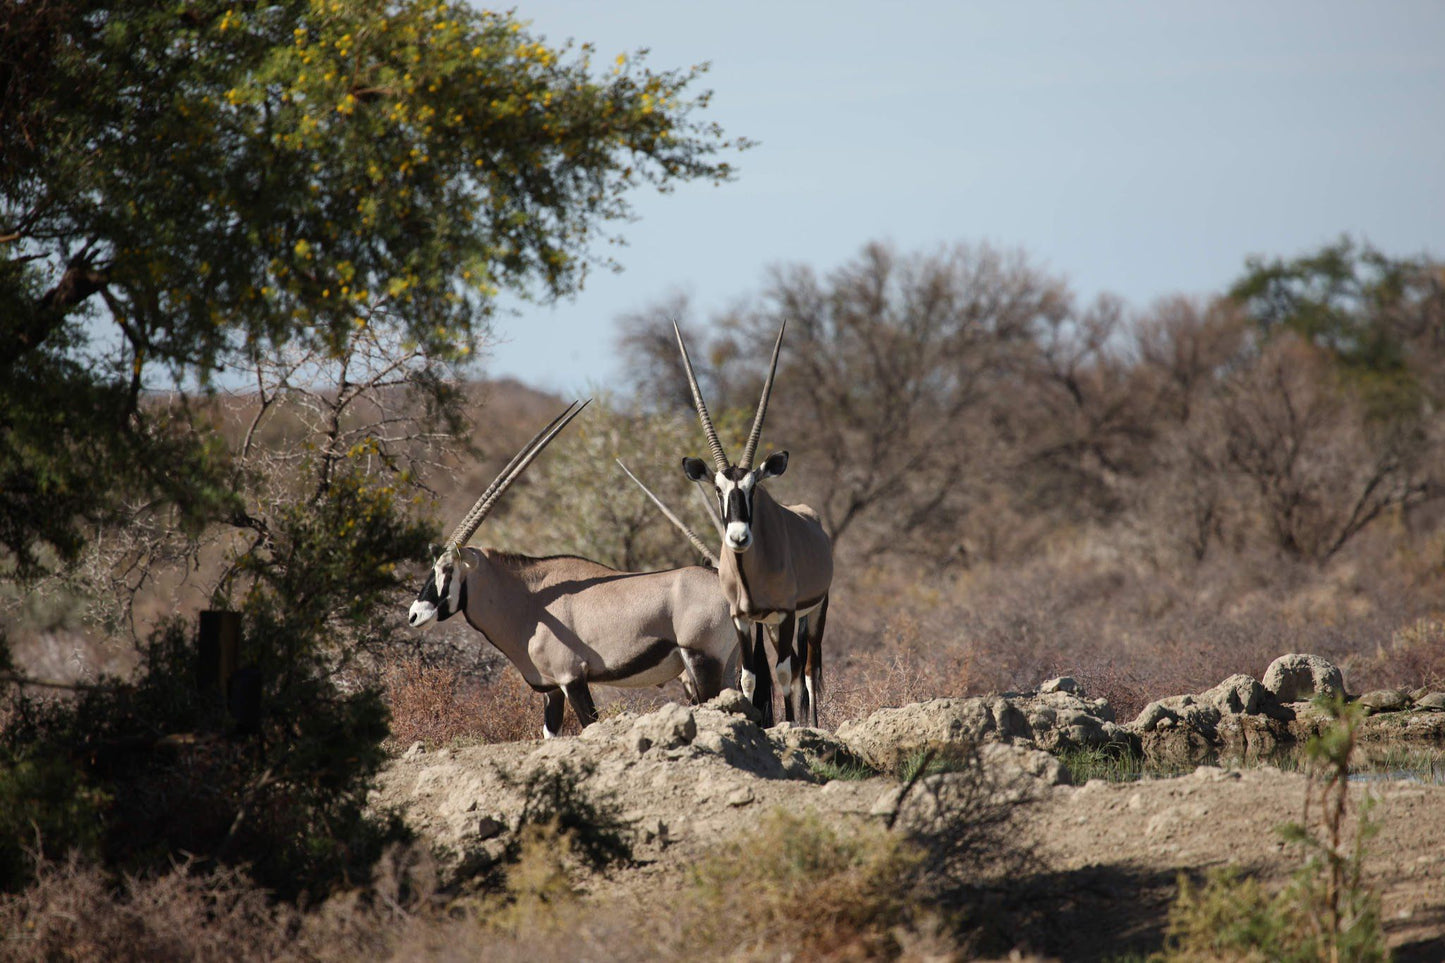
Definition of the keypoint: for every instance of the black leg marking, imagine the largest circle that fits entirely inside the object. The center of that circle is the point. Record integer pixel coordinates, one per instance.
(552, 712)
(581, 698)
(787, 631)
(805, 701)
(817, 623)
(763, 694)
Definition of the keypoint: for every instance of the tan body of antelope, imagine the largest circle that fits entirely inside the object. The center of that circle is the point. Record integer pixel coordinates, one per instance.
(776, 563)
(566, 622)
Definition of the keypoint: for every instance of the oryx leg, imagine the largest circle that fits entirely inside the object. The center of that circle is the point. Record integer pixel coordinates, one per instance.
(801, 691)
(747, 675)
(787, 632)
(706, 673)
(813, 659)
(581, 699)
(757, 679)
(552, 713)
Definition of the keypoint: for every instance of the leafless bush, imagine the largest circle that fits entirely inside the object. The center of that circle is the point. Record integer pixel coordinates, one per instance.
(861, 685)
(433, 704)
(1322, 468)
(75, 912)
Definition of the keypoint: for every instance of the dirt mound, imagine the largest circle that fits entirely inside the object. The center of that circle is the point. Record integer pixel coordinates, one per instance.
(688, 779)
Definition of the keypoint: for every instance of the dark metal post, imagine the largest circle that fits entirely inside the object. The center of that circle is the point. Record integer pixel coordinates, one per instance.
(218, 644)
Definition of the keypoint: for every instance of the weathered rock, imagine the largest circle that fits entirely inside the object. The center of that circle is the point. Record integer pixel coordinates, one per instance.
(1432, 702)
(1181, 710)
(801, 748)
(489, 827)
(1238, 718)
(1044, 767)
(734, 702)
(1235, 695)
(1252, 738)
(1385, 700)
(1062, 684)
(1299, 678)
(1051, 721)
(889, 736)
(667, 728)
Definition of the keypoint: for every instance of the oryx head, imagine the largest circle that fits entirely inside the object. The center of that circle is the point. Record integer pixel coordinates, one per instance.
(734, 485)
(442, 593)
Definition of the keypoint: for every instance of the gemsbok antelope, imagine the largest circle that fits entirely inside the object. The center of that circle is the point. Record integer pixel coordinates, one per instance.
(566, 622)
(776, 563)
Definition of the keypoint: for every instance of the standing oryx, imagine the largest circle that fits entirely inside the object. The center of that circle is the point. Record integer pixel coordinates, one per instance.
(565, 621)
(776, 566)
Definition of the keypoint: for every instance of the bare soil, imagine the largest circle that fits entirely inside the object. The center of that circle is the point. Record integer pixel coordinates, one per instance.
(1113, 852)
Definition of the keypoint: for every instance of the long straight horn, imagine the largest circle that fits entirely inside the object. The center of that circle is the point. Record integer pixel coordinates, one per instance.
(720, 459)
(757, 432)
(471, 521)
(512, 472)
(692, 536)
(710, 506)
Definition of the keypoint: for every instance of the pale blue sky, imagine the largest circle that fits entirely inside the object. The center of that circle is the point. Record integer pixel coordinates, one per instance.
(1140, 149)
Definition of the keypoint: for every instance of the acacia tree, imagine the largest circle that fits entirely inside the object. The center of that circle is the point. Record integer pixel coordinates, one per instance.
(326, 199)
(183, 184)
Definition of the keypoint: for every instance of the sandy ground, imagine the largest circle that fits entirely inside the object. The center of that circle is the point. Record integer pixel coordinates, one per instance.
(1116, 851)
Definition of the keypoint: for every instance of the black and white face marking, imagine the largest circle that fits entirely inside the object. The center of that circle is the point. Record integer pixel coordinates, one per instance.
(441, 594)
(735, 488)
(735, 501)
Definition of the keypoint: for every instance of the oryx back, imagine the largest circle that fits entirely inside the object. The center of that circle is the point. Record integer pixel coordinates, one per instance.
(566, 619)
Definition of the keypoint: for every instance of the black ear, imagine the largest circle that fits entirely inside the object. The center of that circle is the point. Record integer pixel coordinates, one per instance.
(776, 464)
(694, 469)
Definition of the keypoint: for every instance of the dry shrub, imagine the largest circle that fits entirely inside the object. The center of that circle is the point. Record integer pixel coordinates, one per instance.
(437, 704)
(862, 685)
(77, 912)
(430, 703)
(1414, 657)
(73, 912)
(803, 885)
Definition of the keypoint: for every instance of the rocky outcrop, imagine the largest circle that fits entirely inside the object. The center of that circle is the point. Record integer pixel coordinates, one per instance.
(1300, 678)
(1057, 717)
(1256, 720)
(1238, 717)
(685, 777)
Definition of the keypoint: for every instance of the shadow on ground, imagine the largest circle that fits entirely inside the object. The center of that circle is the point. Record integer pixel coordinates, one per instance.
(1430, 949)
(1095, 913)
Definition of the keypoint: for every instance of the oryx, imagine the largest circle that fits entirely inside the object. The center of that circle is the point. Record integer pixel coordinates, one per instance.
(776, 563)
(566, 622)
